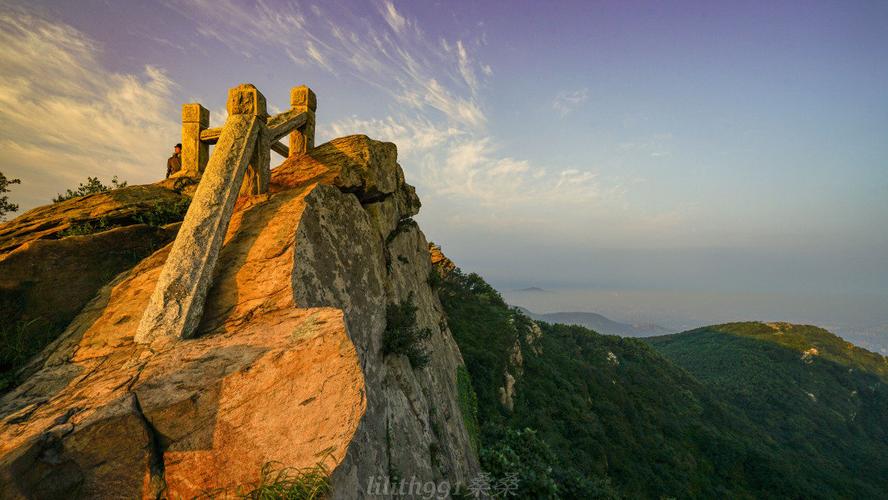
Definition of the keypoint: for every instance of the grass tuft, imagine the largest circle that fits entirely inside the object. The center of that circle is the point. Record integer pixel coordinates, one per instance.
(288, 483)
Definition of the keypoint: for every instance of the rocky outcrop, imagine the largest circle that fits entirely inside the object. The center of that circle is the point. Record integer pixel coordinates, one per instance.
(439, 260)
(50, 280)
(54, 259)
(118, 207)
(286, 367)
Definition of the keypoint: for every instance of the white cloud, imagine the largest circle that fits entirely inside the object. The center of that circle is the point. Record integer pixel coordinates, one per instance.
(466, 69)
(567, 101)
(428, 76)
(316, 55)
(463, 166)
(393, 17)
(64, 118)
(436, 116)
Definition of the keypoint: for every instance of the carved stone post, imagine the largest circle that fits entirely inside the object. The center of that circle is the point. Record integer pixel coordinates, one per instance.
(195, 154)
(177, 303)
(302, 99)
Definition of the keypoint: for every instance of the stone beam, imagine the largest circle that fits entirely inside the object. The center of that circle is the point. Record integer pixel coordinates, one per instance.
(279, 125)
(177, 303)
(279, 148)
(211, 135)
(302, 99)
(284, 123)
(195, 153)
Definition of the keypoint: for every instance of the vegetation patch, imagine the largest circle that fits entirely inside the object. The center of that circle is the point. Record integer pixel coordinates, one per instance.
(92, 186)
(402, 336)
(468, 405)
(402, 227)
(434, 279)
(19, 341)
(164, 212)
(87, 228)
(282, 483)
(161, 213)
(5, 205)
(484, 328)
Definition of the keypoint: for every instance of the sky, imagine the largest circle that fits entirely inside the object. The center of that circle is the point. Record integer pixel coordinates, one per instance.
(694, 147)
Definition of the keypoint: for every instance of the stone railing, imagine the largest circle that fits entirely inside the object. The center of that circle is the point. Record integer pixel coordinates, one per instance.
(239, 165)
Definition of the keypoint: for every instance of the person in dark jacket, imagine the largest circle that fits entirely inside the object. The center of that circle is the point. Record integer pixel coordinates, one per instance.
(174, 164)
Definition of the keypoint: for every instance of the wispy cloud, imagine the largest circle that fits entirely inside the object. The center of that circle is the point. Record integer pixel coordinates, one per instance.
(437, 114)
(394, 18)
(567, 101)
(65, 118)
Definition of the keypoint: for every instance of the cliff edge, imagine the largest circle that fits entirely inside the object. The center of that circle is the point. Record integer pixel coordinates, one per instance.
(287, 367)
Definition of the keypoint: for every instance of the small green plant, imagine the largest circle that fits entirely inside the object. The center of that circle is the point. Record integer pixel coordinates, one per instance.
(181, 183)
(18, 342)
(92, 186)
(402, 336)
(403, 226)
(434, 280)
(86, 228)
(394, 475)
(278, 482)
(468, 405)
(5, 205)
(164, 212)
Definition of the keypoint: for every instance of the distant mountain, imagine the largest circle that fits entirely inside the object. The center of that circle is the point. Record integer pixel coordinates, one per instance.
(599, 323)
(531, 289)
(806, 342)
(873, 338)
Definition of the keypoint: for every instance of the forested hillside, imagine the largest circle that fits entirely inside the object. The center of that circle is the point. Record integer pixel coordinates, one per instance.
(821, 399)
(581, 415)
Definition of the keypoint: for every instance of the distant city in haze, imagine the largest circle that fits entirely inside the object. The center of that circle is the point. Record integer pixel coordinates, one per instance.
(683, 166)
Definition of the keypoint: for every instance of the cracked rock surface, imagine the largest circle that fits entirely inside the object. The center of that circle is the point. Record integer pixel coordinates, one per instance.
(287, 366)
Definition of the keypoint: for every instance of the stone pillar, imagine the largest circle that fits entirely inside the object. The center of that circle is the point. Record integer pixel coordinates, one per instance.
(302, 99)
(195, 154)
(176, 305)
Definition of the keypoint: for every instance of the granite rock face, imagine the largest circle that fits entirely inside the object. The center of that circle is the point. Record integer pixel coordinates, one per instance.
(55, 258)
(286, 365)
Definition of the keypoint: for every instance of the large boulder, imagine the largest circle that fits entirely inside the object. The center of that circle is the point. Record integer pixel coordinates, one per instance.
(287, 366)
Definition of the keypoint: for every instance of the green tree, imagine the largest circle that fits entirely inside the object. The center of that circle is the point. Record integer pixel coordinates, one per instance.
(5, 205)
(403, 336)
(92, 186)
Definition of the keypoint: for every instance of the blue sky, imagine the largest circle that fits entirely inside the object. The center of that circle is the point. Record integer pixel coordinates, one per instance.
(653, 145)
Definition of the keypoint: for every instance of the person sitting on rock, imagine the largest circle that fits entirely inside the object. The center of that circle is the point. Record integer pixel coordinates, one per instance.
(174, 164)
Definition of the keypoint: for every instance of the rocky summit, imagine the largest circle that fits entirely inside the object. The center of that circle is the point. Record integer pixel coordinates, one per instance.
(287, 365)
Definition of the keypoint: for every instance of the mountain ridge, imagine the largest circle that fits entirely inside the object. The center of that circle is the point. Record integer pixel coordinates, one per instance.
(599, 323)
